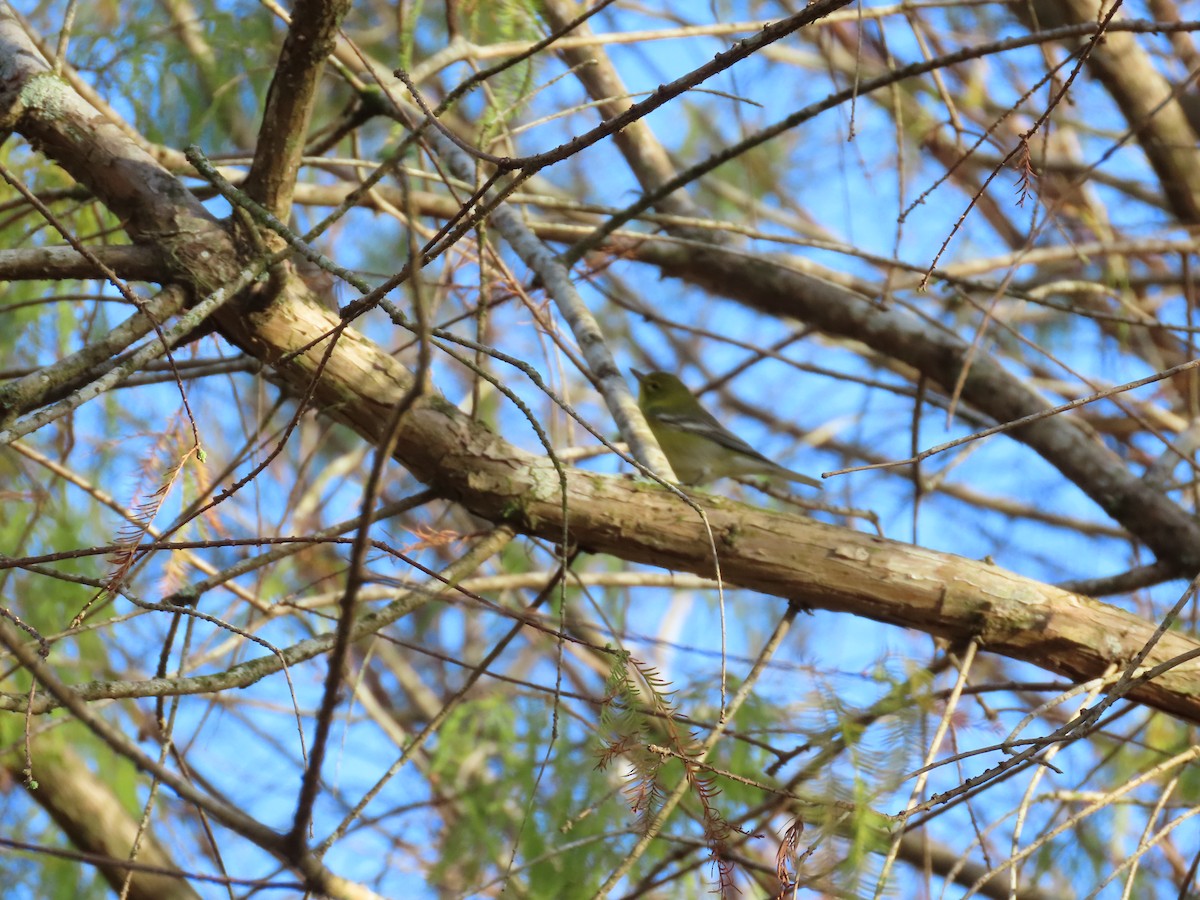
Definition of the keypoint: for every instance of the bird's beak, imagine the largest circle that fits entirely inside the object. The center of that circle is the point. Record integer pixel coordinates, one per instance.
(638, 375)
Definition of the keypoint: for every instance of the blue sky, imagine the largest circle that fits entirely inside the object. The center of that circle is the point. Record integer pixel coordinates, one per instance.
(849, 187)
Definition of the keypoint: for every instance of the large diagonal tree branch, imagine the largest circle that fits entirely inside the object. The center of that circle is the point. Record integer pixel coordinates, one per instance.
(784, 555)
(153, 205)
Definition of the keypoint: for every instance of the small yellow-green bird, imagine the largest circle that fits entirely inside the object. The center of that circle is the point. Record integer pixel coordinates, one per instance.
(698, 447)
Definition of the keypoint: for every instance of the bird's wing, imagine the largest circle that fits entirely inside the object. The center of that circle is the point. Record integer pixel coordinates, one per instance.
(703, 423)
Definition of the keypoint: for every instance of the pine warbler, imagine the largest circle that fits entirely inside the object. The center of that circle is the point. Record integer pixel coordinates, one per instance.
(698, 447)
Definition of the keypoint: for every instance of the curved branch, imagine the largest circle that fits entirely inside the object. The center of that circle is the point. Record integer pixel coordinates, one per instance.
(787, 556)
(773, 286)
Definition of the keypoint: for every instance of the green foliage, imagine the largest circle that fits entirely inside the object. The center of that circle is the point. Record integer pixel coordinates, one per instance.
(492, 21)
(409, 31)
(492, 751)
(55, 878)
(508, 785)
(638, 724)
(507, 93)
(627, 726)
